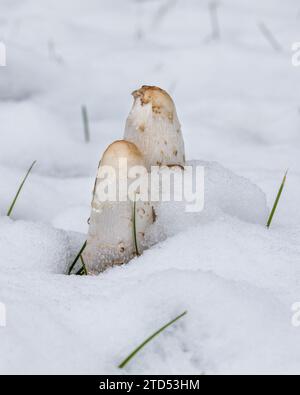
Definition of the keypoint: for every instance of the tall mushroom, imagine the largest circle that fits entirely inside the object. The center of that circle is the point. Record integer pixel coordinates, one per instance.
(117, 225)
(153, 126)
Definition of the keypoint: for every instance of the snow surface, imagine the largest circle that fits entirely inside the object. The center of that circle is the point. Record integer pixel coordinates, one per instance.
(238, 101)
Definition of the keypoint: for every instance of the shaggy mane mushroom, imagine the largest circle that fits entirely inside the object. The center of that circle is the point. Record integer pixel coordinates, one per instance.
(116, 228)
(153, 126)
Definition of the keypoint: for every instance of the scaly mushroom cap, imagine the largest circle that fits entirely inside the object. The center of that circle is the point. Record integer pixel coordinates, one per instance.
(160, 100)
(153, 126)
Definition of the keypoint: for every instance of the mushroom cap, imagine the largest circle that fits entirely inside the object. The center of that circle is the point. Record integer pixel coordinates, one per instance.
(122, 149)
(161, 101)
(153, 126)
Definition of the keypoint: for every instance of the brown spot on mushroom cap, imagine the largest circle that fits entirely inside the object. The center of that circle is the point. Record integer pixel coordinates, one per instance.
(142, 127)
(141, 211)
(121, 247)
(161, 101)
(156, 109)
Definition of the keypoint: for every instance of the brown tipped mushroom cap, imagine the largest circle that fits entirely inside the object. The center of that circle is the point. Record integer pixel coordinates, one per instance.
(153, 126)
(122, 149)
(161, 101)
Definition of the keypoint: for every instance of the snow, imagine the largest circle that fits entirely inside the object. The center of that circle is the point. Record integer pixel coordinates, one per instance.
(225, 194)
(35, 247)
(238, 103)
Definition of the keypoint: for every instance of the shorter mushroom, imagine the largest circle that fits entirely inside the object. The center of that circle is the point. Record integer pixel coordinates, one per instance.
(117, 223)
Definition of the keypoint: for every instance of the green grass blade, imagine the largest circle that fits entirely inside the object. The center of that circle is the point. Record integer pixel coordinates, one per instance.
(277, 200)
(80, 272)
(84, 271)
(10, 210)
(77, 257)
(85, 120)
(134, 229)
(141, 346)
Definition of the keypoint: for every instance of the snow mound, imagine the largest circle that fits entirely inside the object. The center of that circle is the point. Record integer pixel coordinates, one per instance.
(225, 194)
(233, 250)
(35, 247)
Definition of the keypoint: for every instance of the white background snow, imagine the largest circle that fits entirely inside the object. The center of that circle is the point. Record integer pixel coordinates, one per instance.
(238, 101)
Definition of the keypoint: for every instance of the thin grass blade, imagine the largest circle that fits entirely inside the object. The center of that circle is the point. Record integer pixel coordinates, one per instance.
(10, 210)
(277, 200)
(270, 37)
(77, 257)
(84, 271)
(80, 272)
(85, 120)
(213, 9)
(148, 340)
(134, 229)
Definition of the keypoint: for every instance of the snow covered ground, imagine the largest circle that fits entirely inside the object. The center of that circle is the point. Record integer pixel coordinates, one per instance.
(238, 100)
